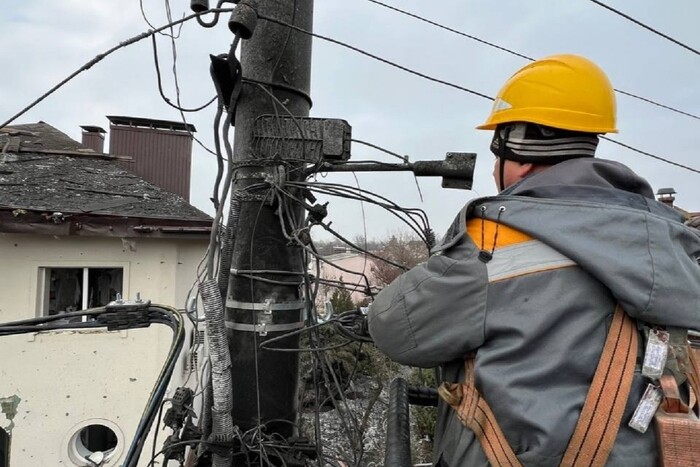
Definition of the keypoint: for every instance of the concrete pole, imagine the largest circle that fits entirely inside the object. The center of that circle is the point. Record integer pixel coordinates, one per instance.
(265, 383)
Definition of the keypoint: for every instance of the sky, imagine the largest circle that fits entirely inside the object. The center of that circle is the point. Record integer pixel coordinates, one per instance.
(44, 41)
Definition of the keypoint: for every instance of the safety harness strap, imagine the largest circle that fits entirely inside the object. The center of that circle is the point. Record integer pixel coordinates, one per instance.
(475, 413)
(598, 424)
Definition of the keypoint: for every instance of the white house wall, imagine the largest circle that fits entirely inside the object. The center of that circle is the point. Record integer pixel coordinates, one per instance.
(69, 379)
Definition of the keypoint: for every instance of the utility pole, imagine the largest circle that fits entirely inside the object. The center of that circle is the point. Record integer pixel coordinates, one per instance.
(258, 305)
(262, 271)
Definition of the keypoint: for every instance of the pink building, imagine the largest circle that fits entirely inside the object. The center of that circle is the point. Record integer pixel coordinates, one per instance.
(336, 269)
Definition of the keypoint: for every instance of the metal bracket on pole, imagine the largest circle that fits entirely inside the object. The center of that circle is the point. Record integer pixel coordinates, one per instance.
(457, 170)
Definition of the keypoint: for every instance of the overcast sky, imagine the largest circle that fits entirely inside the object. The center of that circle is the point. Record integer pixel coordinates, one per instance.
(43, 41)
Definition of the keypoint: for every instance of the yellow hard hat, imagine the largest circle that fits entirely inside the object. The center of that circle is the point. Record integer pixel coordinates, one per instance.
(561, 91)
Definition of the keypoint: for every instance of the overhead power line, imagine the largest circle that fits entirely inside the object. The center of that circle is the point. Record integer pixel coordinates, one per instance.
(446, 83)
(447, 28)
(375, 57)
(648, 28)
(518, 54)
(648, 154)
(101, 56)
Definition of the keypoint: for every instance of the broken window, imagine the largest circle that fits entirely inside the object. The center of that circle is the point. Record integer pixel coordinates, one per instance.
(74, 289)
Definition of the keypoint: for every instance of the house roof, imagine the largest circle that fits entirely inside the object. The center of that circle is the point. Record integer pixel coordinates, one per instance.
(42, 169)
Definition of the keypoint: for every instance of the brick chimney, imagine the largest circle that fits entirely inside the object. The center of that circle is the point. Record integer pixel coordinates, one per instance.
(666, 196)
(94, 138)
(160, 150)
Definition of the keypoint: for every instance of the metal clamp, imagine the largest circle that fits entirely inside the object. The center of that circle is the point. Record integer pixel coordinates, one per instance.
(269, 304)
(263, 316)
(263, 328)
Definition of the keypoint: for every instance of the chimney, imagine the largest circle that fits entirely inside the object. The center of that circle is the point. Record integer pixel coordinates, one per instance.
(94, 138)
(666, 196)
(160, 150)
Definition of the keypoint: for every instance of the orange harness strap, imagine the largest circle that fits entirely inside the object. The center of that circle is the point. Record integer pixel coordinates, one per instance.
(598, 424)
(475, 413)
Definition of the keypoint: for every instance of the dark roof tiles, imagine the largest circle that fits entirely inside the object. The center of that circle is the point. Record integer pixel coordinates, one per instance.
(79, 184)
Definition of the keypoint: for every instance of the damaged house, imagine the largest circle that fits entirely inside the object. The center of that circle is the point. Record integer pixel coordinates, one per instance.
(78, 228)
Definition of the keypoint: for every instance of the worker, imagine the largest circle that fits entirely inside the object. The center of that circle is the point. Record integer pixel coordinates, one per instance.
(526, 284)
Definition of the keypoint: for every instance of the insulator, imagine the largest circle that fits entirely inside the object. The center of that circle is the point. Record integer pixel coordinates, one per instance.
(199, 6)
(244, 18)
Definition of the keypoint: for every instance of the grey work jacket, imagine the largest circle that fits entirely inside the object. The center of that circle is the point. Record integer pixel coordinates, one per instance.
(537, 313)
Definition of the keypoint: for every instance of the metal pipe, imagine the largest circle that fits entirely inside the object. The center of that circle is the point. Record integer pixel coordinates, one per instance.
(398, 429)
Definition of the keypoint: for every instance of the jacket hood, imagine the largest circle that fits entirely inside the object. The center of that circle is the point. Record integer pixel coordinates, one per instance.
(587, 172)
(603, 216)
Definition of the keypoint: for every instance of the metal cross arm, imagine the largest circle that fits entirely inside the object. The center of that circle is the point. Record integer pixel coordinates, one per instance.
(457, 170)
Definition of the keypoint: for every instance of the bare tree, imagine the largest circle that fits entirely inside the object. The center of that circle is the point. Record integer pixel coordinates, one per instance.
(403, 249)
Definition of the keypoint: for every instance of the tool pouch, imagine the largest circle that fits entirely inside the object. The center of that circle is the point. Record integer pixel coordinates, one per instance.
(677, 424)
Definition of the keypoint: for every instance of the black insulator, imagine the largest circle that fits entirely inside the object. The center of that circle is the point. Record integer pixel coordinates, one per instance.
(199, 6)
(244, 18)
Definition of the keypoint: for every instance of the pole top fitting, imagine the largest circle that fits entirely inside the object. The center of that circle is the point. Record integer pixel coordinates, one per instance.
(244, 18)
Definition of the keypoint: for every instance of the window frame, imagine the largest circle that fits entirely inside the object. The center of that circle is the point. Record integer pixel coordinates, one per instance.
(44, 275)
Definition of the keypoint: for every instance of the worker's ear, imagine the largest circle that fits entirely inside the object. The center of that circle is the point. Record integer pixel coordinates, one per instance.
(524, 169)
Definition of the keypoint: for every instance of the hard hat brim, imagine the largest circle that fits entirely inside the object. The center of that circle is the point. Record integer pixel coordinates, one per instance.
(564, 120)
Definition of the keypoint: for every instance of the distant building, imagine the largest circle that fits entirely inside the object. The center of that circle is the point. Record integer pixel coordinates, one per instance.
(668, 197)
(348, 267)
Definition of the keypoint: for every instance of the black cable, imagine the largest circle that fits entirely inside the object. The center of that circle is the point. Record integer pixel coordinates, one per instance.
(155, 434)
(282, 86)
(659, 158)
(13, 330)
(320, 258)
(517, 54)
(352, 287)
(150, 25)
(649, 101)
(429, 78)
(441, 26)
(363, 195)
(648, 28)
(156, 314)
(160, 85)
(219, 157)
(345, 240)
(312, 319)
(379, 148)
(101, 56)
(375, 57)
(393, 209)
(91, 312)
(170, 317)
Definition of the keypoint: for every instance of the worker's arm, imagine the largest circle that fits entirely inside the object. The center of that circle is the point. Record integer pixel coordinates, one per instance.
(433, 313)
